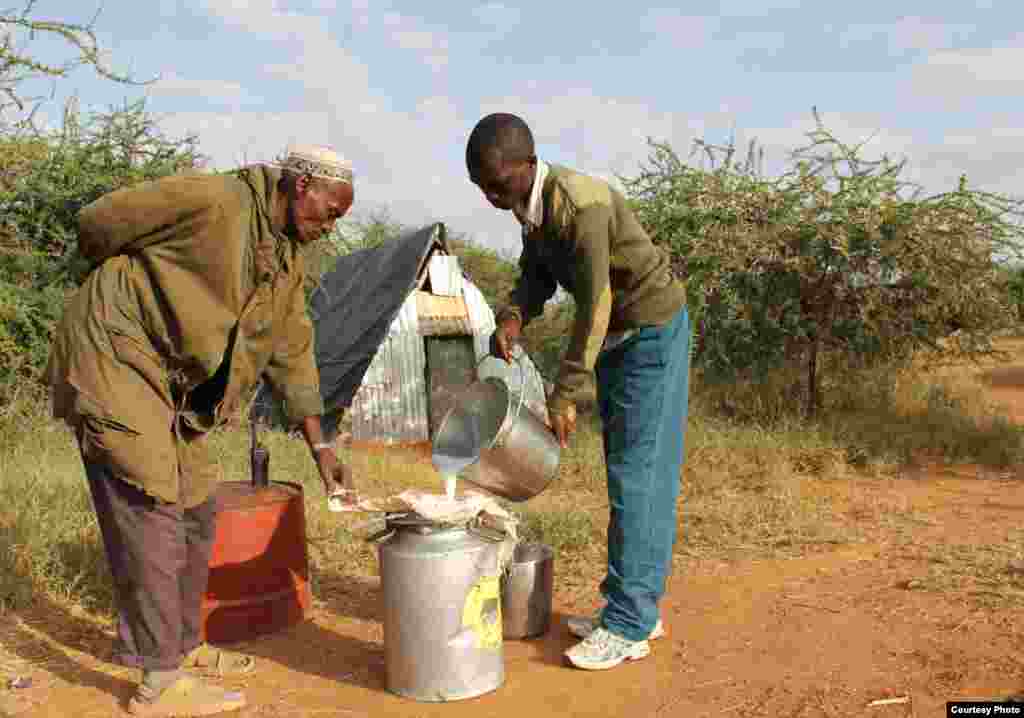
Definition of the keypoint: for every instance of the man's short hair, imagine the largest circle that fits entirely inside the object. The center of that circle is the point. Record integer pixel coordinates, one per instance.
(502, 132)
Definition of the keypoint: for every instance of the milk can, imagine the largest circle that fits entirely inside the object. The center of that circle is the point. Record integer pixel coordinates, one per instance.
(442, 609)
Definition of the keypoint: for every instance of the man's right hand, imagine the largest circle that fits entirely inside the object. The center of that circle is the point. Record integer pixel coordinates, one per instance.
(505, 336)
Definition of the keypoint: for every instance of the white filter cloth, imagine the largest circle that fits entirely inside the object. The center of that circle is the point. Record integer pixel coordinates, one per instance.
(464, 508)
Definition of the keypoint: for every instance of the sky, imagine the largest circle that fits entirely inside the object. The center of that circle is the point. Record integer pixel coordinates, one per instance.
(397, 86)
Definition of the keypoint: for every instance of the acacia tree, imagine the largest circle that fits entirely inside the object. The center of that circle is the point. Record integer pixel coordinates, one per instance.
(46, 174)
(51, 175)
(18, 28)
(44, 179)
(1015, 289)
(837, 257)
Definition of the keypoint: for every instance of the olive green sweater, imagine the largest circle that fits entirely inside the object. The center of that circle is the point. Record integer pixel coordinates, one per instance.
(194, 284)
(591, 244)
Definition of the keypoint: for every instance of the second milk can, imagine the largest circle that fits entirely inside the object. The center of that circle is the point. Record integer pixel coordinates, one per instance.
(442, 609)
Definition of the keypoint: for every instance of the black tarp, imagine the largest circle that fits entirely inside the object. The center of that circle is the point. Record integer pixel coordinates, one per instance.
(352, 309)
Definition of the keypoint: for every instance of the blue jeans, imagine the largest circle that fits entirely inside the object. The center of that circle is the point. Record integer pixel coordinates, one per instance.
(643, 392)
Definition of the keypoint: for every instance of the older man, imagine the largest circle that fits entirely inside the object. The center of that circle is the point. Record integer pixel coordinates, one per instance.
(631, 328)
(196, 291)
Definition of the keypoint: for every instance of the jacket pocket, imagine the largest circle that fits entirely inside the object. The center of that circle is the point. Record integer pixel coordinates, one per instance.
(144, 460)
(143, 359)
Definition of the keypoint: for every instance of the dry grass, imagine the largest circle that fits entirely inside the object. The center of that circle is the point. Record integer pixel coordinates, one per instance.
(913, 415)
(758, 480)
(985, 574)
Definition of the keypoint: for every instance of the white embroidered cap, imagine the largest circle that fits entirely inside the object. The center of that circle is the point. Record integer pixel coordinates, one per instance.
(317, 161)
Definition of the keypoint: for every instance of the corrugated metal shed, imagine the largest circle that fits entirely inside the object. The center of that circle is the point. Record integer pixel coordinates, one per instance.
(482, 320)
(481, 317)
(390, 405)
(442, 315)
(445, 275)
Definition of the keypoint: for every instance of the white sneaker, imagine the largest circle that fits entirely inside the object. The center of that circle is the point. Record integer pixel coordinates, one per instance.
(583, 626)
(602, 650)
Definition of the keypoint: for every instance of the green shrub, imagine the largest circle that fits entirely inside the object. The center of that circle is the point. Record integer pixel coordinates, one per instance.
(837, 260)
(45, 179)
(27, 319)
(59, 173)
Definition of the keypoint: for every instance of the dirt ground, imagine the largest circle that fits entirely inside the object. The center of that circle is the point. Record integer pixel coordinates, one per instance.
(820, 635)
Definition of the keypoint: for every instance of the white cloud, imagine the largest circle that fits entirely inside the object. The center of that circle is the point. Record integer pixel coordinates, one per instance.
(965, 73)
(174, 84)
(606, 135)
(993, 159)
(848, 127)
(908, 33)
(235, 139)
(398, 157)
(418, 40)
(405, 162)
(920, 34)
(497, 15)
(410, 161)
(869, 131)
(756, 8)
(402, 161)
(754, 41)
(256, 15)
(408, 33)
(361, 13)
(693, 32)
(685, 31)
(439, 111)
(312, 53)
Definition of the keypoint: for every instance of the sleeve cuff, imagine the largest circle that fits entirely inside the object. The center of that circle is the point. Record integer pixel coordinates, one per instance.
(303, 401)
(559, 403)
(509, 312)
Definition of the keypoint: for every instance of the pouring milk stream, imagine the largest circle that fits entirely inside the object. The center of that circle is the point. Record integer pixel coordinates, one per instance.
(458, 456)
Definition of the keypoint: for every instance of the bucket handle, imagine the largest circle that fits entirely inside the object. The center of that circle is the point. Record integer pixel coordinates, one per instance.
(380, 536)
(522, 381)
(486, 533)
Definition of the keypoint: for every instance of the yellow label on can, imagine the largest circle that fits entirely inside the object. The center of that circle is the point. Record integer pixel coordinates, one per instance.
(482, 612)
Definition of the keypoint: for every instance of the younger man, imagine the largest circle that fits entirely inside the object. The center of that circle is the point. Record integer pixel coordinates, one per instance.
(632, 328)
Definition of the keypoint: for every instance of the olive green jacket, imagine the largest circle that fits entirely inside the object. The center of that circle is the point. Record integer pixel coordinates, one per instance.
(195, 294)
(591, 244)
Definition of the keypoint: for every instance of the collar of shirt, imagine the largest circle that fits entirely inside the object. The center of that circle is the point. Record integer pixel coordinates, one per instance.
(532, 215)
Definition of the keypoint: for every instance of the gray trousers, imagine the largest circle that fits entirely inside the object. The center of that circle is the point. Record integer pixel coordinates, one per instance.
(159, 556)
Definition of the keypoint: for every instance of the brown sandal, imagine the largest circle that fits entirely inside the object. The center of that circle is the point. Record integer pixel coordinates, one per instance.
(219, 661)
(187, 696)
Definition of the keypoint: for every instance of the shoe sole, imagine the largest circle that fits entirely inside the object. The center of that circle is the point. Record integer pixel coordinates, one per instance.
(641, 653)
(215, 672)
(658, 632)
(141, 709)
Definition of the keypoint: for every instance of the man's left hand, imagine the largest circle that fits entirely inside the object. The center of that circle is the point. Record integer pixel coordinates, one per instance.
(333, 473)
(563, 424)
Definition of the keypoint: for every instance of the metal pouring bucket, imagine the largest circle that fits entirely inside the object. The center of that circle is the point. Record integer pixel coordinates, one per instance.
(510, 451)
(526, 589)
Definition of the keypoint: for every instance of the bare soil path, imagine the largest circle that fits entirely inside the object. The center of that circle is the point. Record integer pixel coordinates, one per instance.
(825, 634)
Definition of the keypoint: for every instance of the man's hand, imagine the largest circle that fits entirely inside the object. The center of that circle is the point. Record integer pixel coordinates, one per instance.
(334, 474)
(505, 336)
(564, 424)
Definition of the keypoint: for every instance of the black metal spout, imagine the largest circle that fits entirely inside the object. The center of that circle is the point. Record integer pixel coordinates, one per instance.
(259, 460)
